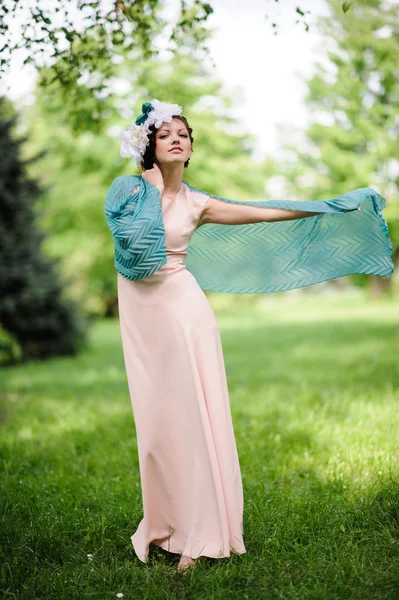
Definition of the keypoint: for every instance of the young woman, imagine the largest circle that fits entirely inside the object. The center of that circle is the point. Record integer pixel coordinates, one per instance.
(189, 467)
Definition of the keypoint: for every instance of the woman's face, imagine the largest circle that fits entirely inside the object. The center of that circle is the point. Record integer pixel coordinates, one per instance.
(170, 136)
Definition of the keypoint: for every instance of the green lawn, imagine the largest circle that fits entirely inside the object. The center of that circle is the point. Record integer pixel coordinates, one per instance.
(314, 394)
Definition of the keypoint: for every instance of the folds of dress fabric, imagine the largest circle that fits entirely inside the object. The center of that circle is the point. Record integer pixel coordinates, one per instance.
(189, 467)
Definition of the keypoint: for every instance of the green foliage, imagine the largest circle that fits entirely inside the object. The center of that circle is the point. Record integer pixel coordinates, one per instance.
(359, 145)
(33, 310)
(313, 389)
(353, 97)
(73, 39)
(85, 38)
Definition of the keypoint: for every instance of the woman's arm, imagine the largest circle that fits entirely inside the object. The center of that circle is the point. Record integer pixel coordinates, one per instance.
(218, 211)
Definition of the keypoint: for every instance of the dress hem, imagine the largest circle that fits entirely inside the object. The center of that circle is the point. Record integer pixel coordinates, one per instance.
(163, 544)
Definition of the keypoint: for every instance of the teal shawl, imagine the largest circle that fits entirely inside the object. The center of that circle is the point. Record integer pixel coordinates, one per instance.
(349, 235)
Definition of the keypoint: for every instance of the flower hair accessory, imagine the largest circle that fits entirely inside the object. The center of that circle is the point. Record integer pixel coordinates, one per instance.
(135, 139)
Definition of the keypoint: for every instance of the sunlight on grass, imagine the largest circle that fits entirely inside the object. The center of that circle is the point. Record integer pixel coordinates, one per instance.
(313, 386)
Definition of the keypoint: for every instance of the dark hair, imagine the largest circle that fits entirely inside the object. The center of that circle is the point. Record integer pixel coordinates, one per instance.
(149, 155)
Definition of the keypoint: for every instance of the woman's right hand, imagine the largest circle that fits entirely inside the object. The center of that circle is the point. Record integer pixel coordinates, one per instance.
(154, 176)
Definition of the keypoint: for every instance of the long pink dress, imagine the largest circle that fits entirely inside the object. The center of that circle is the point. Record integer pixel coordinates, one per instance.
(189, 467)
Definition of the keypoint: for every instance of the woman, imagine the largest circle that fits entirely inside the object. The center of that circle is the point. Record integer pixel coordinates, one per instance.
(189, 467)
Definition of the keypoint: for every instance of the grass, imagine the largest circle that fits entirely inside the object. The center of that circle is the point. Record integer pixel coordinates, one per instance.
(314, 394)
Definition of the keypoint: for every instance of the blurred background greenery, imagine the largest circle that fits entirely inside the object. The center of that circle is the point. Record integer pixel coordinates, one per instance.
(70, 148)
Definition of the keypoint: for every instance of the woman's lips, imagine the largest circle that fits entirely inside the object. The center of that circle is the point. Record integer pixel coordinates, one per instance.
(176, 150)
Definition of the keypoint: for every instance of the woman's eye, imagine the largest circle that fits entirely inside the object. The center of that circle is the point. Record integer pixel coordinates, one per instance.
(181, 135)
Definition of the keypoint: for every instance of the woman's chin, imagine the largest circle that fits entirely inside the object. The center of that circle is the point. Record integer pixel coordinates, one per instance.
(173, 158)
(176, 157)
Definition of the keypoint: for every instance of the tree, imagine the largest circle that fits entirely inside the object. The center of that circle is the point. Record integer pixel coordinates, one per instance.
(33, 311)
(83, 40)
(353, 139)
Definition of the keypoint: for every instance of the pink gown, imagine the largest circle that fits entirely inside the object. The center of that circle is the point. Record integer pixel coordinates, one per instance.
(189, 467)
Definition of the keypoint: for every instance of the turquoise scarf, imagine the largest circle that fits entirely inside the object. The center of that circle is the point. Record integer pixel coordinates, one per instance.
(349, 235)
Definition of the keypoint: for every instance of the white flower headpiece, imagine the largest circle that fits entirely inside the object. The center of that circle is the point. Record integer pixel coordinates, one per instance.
(135, 139)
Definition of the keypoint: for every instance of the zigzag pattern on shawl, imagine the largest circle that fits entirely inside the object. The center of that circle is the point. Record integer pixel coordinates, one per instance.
(258, 257)
(275, 256)
(135, 220)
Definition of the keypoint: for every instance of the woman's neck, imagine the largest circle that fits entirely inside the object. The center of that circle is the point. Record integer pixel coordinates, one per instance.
(172, 176)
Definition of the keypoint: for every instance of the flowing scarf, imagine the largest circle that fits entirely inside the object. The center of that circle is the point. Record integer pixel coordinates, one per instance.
(349, 235)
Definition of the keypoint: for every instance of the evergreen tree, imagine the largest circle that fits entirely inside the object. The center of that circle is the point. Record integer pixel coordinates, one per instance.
(32, 310)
